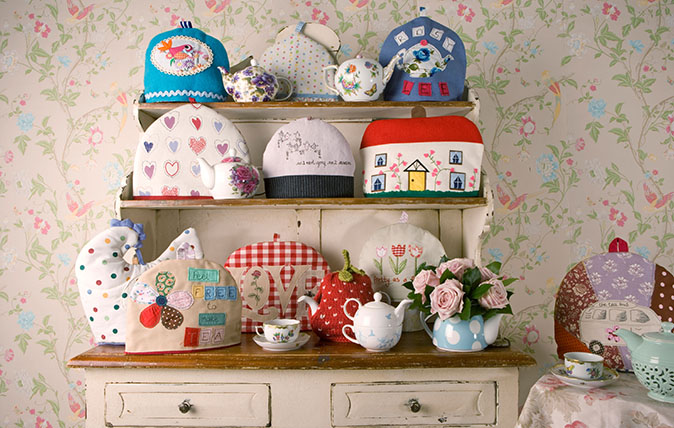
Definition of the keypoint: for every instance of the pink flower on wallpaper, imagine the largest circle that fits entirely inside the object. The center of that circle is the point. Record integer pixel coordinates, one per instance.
(611, 11)
(576, 424)
(96, 136)
(360, 3)
(175, 19)
(317, 13)
(670, 126)
(532, 335)
(580, 144)
(528, 126)
(40, 423)
(8, 156)
(466, 12)
(617, 216)
(9, 355)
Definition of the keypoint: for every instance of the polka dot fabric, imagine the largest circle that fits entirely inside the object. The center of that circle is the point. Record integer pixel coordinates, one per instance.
(300, 59)
(102, 273)
(610, 291)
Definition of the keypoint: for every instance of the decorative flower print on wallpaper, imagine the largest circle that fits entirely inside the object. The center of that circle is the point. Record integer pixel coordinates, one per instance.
(577, 116)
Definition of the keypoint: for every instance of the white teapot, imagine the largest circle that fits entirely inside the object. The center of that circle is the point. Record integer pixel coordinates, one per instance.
(377, 326)
(360, 79)
(233, 178)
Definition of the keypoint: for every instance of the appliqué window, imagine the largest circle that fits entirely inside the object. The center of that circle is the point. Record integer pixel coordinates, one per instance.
(425, 89)
(455, 157)
(444, 89)
(378, 183)
(457, 180)
(380, 160)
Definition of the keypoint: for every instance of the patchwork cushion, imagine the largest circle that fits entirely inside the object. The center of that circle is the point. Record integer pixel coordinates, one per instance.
(166, 166)
(182, 306)
(104, 266)
(271, 276)
(606, 292)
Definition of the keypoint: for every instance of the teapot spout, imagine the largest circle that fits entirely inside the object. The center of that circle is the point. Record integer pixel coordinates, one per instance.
(207, 172)
(313, 306)
(390, 68)
(491, 328)
(400, 309)
(226, 79)
(632, 339)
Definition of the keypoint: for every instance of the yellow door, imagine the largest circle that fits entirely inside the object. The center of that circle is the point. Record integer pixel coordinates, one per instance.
(417, 181)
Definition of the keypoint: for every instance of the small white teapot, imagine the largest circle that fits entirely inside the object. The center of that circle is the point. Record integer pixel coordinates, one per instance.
(377, 326)
(231, 179)
(360, 79)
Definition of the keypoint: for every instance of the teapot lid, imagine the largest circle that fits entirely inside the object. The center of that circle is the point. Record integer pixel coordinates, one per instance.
(377, 303)
(666, 336)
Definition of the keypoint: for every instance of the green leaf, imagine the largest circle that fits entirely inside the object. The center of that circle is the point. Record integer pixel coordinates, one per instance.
(472, 277)
(481, 290)
(566, 59)
(507, 281)
(447, 274)
(465, 313)
(494, 267)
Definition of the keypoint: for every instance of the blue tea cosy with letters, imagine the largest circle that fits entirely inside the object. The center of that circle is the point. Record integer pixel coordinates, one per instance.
(183, 63)
(431, 62)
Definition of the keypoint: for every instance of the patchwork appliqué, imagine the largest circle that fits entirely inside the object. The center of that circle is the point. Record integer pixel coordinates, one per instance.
(181, 56)
(164, 305)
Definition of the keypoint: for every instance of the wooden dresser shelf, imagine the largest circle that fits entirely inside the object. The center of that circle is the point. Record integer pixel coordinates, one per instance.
(312, 203)
(414, 350)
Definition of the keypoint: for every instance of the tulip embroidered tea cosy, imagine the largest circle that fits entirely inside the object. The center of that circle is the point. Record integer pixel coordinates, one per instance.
(166, 165)
(183, 63)
(271, 275)
(422, 157)
(308, 158)
(393, 253)
(607, 292)
(106, 264)
(182, 306)
(433, 62)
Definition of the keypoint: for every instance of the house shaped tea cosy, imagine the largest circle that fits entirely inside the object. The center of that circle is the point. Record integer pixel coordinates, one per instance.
(422, 157)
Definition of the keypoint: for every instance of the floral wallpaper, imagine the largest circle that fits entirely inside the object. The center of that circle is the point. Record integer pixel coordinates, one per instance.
(577, 113)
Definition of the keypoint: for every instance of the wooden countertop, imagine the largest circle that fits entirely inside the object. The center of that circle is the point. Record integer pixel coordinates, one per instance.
(414, 350)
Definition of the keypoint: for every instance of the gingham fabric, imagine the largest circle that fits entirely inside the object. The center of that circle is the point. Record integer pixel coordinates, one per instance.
(258, 267)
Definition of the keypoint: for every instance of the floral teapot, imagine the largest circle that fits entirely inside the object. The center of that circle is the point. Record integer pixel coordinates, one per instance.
(377, 326)
(254, 84)
(233, 178)
(328, 317)
(360, 79)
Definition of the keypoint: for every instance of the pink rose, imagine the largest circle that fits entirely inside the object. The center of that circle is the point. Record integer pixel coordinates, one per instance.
(496, 297)
(486, 274)
(447, 299)
(456, 266)
(423, 279)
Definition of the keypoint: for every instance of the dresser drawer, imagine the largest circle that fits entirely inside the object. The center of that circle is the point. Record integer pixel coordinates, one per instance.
(414, 403)
(212, 405)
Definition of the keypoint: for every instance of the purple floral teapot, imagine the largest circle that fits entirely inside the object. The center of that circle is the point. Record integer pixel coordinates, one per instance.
(254, 84)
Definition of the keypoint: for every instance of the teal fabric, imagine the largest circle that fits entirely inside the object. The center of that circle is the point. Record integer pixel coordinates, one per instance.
(204, 85)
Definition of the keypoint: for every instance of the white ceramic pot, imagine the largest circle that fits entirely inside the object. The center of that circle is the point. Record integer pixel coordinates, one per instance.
(377, 326)
(359, 79)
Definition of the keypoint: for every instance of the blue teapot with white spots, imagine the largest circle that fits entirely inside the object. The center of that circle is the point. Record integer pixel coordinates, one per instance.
(455, 334)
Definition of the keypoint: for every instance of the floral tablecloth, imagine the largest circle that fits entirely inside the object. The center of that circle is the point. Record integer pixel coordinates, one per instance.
(623, 404)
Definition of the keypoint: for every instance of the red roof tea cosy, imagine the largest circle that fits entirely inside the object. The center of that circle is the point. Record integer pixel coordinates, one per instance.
(422, 157)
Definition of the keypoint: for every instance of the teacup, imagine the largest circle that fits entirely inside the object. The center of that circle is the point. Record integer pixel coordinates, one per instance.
(279, 330)
(584, 365)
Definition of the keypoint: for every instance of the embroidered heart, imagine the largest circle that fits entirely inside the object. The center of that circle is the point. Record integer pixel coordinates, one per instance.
(148, 169)
(217, 125)
(170, 122)
(171, 167)
(197, 144)
(173, 145)
(194, 193)
(222, 148)
(148, 146)
(196, 169)
(196, 122)
(242, 147)
(169, 191)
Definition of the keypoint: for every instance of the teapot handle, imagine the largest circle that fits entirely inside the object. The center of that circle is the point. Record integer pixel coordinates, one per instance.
(289, 86)
(424, 323)
(346, 335)
(347, 303)
(325, 78)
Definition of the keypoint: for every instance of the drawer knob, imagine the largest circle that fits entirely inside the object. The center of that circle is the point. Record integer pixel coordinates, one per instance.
(414, 405)
(185, 406)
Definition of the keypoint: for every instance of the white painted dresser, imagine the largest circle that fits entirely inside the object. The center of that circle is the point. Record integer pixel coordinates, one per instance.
(321, 384)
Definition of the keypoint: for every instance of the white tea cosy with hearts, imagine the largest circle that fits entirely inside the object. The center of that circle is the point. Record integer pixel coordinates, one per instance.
(105, 265)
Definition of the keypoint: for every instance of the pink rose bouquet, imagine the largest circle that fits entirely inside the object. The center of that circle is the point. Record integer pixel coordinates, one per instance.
(459, 287)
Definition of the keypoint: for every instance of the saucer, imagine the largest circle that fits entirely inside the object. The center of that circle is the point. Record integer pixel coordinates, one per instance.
(270, 346)
(608, 377)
